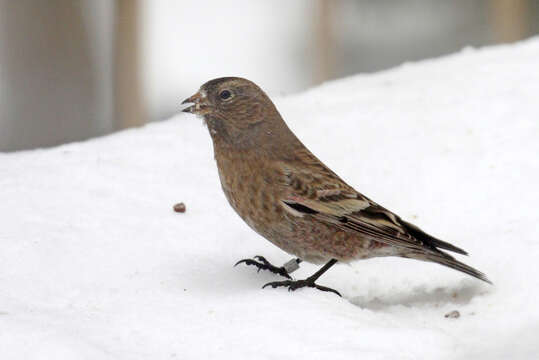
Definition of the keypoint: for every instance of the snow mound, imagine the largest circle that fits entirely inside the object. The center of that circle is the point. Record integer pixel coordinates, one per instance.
(95, 264)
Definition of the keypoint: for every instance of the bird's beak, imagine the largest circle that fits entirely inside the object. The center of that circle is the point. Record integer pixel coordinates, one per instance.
(200, 107)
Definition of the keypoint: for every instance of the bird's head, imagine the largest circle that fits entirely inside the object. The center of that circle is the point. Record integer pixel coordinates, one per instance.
(233, 108)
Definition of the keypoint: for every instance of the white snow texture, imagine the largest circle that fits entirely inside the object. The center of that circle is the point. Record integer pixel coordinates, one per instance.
(94, 264)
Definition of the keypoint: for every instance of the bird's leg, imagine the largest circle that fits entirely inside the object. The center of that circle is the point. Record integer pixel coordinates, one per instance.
(309, 282)
(263, 264)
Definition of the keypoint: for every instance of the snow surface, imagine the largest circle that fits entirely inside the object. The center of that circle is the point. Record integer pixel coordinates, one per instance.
(94, 264)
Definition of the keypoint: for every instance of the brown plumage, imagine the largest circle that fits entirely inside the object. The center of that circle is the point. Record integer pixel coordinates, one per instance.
(283, 192)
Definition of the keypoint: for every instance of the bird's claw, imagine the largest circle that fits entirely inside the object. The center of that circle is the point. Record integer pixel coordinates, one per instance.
(297, 284)
(263, 264)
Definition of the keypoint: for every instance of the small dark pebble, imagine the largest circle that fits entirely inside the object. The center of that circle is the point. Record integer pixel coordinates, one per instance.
(453, 314)
(180, 208)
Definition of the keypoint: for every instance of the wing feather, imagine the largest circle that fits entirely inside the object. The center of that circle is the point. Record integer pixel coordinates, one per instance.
(356, 217)
(320, 193)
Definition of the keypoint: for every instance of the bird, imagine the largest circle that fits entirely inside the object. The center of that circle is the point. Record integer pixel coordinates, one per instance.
(288, 196)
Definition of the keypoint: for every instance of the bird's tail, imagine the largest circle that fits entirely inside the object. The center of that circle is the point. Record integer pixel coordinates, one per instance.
(430, 240)
(444, 259)
(434, 252)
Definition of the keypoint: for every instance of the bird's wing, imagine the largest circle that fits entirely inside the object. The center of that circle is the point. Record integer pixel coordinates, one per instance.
(314, 190)
(354, 214)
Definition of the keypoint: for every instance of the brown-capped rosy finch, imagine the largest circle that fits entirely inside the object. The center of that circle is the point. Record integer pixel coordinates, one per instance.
(284, 193)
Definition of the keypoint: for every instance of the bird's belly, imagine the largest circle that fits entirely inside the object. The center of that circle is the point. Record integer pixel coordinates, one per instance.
(320, 242)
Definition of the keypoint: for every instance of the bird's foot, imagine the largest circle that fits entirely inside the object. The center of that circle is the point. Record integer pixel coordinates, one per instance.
(297, 284)
(263, 264)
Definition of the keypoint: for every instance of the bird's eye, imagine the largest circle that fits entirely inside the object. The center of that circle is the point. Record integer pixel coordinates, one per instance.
(225, 94)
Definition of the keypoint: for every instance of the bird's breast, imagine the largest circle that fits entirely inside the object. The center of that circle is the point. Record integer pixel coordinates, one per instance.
(250, 187)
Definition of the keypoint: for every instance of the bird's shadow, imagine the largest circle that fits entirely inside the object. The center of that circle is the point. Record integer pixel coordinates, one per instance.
(460, 294)
(222, 277)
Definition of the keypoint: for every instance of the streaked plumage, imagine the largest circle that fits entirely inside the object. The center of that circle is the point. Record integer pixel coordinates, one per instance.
(290, 197)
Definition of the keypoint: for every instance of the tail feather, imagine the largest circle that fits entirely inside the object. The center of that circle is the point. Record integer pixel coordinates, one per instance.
(431, 241)
(443, 259)
(433, 253)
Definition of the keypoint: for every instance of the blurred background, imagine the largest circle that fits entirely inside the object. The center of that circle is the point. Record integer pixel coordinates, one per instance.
(75, 69)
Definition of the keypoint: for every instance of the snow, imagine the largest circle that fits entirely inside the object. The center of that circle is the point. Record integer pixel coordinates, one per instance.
(95, 264)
